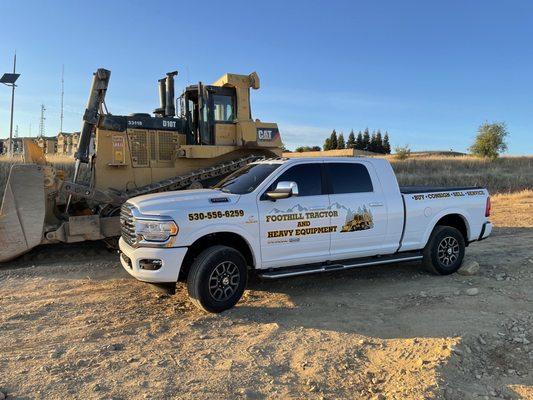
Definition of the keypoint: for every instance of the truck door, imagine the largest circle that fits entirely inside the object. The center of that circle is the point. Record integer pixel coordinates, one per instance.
(360, 210)
(296, 230)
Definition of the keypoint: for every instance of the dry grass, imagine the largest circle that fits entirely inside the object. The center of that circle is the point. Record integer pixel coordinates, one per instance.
(505, 175)
(513, 209)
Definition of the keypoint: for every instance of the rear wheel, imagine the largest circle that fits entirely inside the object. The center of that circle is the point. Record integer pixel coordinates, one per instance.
(217, 279)
(445, 250)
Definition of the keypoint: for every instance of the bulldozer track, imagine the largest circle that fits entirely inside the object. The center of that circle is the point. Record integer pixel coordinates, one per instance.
(183, 181)
(177, 182)
(111, 200)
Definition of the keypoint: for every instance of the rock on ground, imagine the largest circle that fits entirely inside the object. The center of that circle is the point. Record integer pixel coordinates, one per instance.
(469, 268)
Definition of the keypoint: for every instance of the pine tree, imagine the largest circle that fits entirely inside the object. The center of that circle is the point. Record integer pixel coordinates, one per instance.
(341, 144)
(333, 141)
(372, 144)
(327, 144)
(386, 144)
(366, 140)
(350, 144)
(379, 143)
(359, 145)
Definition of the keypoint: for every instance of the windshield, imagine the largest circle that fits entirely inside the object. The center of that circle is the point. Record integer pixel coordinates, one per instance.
(246, 179)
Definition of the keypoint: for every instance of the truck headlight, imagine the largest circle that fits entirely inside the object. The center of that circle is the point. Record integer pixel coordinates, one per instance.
(155, 231)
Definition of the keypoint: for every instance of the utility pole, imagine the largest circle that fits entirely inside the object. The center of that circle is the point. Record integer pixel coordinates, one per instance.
(41, 121)
(9, 79)
(12, 107)
(62, 95)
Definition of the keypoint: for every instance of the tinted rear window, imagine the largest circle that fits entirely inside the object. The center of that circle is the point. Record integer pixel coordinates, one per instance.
(348, 178)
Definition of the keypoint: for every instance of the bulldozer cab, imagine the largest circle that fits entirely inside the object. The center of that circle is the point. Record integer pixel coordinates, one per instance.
(220, 114)
(206, 108)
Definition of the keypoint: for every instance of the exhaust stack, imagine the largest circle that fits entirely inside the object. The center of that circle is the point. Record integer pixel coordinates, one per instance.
(161, 83)
(170, 107)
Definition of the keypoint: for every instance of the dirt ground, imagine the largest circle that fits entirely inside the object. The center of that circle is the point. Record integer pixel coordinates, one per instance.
(73, 324)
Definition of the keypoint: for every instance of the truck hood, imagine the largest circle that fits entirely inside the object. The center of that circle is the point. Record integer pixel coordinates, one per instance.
(170, 203)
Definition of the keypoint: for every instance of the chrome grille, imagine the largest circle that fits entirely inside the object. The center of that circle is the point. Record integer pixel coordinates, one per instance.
(127, 224)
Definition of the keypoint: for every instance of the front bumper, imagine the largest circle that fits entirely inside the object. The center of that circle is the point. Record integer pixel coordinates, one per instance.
(171, 259)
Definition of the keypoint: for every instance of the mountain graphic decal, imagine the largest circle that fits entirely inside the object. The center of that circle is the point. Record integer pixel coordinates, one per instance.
(293, 209)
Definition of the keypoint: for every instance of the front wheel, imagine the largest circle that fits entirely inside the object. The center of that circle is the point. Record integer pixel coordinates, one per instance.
(444, 253)
(217, 279)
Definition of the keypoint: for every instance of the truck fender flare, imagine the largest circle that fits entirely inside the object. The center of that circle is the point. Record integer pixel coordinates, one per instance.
(443, 213)
(208, 230)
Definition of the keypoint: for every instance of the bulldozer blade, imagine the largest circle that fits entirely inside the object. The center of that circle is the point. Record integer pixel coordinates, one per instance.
(23, 211)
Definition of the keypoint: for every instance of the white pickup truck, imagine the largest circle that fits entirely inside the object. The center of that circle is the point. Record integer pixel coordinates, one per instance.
(287, 217)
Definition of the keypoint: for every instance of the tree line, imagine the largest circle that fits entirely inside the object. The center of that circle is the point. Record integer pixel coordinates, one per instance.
(490, 142)
(375, 142)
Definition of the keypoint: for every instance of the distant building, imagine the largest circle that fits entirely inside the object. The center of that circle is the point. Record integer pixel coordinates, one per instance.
(67, 143)
(17, 145)
(48, 144)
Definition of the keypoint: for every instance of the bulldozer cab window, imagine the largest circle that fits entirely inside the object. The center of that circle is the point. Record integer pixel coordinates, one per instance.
(223, 107)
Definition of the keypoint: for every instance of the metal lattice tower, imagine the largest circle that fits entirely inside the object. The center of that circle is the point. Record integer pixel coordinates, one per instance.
(16, 134)
(41, 121)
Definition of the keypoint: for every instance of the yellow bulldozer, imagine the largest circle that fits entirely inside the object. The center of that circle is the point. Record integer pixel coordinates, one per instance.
(119, 157)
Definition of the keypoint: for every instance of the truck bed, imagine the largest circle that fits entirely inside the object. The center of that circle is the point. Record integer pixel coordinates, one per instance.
(431, 189)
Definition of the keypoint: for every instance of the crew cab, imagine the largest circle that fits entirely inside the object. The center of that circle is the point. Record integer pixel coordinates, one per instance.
(288, 217)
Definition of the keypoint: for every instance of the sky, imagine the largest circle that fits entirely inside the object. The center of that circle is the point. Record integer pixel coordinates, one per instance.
(427, 72)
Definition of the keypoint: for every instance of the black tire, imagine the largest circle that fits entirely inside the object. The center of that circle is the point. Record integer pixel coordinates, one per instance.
(445, 250)
(217, 279)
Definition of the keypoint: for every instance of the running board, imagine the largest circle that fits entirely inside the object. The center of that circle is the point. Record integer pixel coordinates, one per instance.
(340, 265)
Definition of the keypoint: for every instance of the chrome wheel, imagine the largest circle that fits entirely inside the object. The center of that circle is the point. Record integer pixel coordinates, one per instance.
(224, 280)
(448, 251)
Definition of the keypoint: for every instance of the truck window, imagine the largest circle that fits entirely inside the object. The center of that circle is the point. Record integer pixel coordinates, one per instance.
(308, 177)
(348, 178)
(246, 179)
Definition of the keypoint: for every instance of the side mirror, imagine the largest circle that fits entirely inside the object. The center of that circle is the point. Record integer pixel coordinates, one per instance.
(283, 190)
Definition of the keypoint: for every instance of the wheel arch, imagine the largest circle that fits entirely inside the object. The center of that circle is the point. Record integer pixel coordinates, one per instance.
(455, 219)
(224, 238)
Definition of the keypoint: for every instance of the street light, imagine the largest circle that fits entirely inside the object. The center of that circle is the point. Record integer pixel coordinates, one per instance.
(9, 79)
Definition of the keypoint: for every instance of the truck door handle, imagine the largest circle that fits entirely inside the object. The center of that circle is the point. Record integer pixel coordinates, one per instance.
(376, 204)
